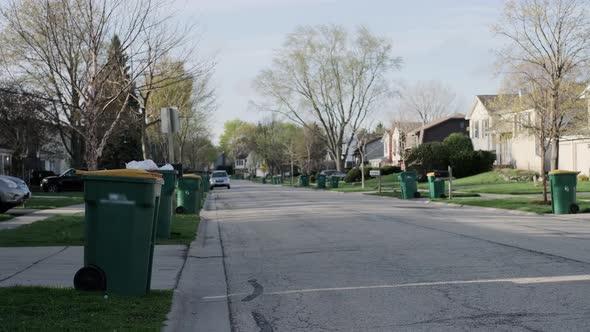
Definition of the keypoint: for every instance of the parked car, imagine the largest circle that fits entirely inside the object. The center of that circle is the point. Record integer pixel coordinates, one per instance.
(329, 173)
(219, 179)
(66, 181)
(13, 192)
(38, 176)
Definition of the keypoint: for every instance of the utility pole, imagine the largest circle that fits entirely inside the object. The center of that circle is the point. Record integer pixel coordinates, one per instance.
(169, 126)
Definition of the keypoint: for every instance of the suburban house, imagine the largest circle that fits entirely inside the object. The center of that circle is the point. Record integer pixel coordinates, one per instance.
(437, 130)
(494, 129)
(373, 150)
(240, 162)
(394, 142)
(574, 150)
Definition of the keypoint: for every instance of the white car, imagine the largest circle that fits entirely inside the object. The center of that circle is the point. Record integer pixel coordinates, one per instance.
(219, 179)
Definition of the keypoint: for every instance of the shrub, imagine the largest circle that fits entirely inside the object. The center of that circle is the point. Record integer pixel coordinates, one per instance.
(583, 177)
(483, 161)
(428, 157)
(354, 175)
(457, 143)
(386, 170)
(312, 177)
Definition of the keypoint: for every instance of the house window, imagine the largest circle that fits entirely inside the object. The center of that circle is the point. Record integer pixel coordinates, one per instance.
(475, 129)
(485, 127)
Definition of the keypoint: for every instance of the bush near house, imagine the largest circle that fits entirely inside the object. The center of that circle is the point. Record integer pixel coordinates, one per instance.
(354, 175)
(457, 151)
(583, 178)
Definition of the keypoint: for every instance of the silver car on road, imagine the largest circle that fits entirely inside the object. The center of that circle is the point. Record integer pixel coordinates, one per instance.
(13, 192)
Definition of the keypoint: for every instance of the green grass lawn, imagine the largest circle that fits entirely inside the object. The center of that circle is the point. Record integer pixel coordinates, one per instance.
(516, 188)
(42, 203)
(62, 194)
(4, 217)
(398, 194)
(517, 203)
(60, 309)
(388, 182)
(69, 231)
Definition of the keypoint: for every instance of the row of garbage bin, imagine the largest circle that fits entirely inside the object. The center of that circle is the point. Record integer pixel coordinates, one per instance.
(563, 189)
(126, 211)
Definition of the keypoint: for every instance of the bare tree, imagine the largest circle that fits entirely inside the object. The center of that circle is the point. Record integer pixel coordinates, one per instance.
(549, 48)
(327, 75)
(58, 47)
(429, 100)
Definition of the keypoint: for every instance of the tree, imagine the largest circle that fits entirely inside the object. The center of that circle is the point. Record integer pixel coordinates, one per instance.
(311, 148)
(57, 47)
(327, 75)
(23, 126)
(547, 52)
(429, 101)
(237, 137)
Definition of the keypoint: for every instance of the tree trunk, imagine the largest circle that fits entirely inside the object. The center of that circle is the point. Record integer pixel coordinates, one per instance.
(144, 138)
(91, 156)
(362, 172)
(555, 153)
(543, 171)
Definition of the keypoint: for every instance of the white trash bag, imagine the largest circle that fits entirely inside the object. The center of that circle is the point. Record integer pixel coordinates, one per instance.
(167, 167)
(148, 165)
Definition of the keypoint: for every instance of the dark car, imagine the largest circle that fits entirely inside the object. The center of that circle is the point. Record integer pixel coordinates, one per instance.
(66, 181)
(38, 176)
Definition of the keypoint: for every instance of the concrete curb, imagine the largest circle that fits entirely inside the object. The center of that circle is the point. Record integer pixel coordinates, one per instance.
(203, 275)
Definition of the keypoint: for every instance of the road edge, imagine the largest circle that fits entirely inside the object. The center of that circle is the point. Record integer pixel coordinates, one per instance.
(203, 275)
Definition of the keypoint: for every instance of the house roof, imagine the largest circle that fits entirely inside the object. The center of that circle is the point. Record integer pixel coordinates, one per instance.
(492, 103)
(437, 122)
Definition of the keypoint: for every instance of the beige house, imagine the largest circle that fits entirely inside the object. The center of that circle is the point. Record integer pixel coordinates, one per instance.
(493, 129)
(394, 143)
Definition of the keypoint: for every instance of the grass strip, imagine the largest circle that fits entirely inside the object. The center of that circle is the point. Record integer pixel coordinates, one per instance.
(44, 203)
(62, 230)
(63, 309)
(518, 203)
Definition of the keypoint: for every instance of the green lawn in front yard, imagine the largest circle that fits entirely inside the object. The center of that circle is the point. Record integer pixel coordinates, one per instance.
(517, 203)
(64, 309)
(64, 230)
(516, 188)
(4, 217)
(43, 203)
(398, 194)
(59, 194)
(389, 182)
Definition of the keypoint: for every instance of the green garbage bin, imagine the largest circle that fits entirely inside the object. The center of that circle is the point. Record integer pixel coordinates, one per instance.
(304, 180)
(120, 228)
(188, 194)
(205, 180)
(166, 203)
(408, 185)
(563, 192)
(436, 186)
(334, 181)
(321, 181)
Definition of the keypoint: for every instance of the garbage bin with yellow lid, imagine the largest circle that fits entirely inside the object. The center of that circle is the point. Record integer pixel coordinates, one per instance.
(188, 194)
(563, 191)
(166, 203)
(436, 186)
(120, 223)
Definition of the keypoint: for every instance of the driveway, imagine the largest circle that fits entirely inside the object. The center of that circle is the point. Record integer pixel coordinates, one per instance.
(308, 260)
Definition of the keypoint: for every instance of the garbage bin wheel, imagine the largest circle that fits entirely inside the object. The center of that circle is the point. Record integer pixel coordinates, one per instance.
(416, 195)
(180, 210)
(574, 208)
(90, 278)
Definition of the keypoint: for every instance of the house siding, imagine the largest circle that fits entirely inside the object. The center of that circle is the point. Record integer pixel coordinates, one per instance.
(441, 131)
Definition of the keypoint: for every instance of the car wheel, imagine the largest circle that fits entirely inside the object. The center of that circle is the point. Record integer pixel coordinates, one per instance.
(211, 188)
(228, 187)
(53, 188)
(45, 189)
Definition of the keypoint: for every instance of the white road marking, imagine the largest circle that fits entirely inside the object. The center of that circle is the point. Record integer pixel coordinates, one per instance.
(520, 281)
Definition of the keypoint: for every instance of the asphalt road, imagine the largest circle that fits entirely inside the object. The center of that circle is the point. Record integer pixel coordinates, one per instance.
(306, 260)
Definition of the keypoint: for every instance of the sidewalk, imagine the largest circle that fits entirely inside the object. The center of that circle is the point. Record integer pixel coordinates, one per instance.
(39, 215)
(56, 266)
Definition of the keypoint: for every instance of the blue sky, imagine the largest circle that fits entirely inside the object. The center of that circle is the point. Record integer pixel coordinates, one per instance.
(446, 40)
